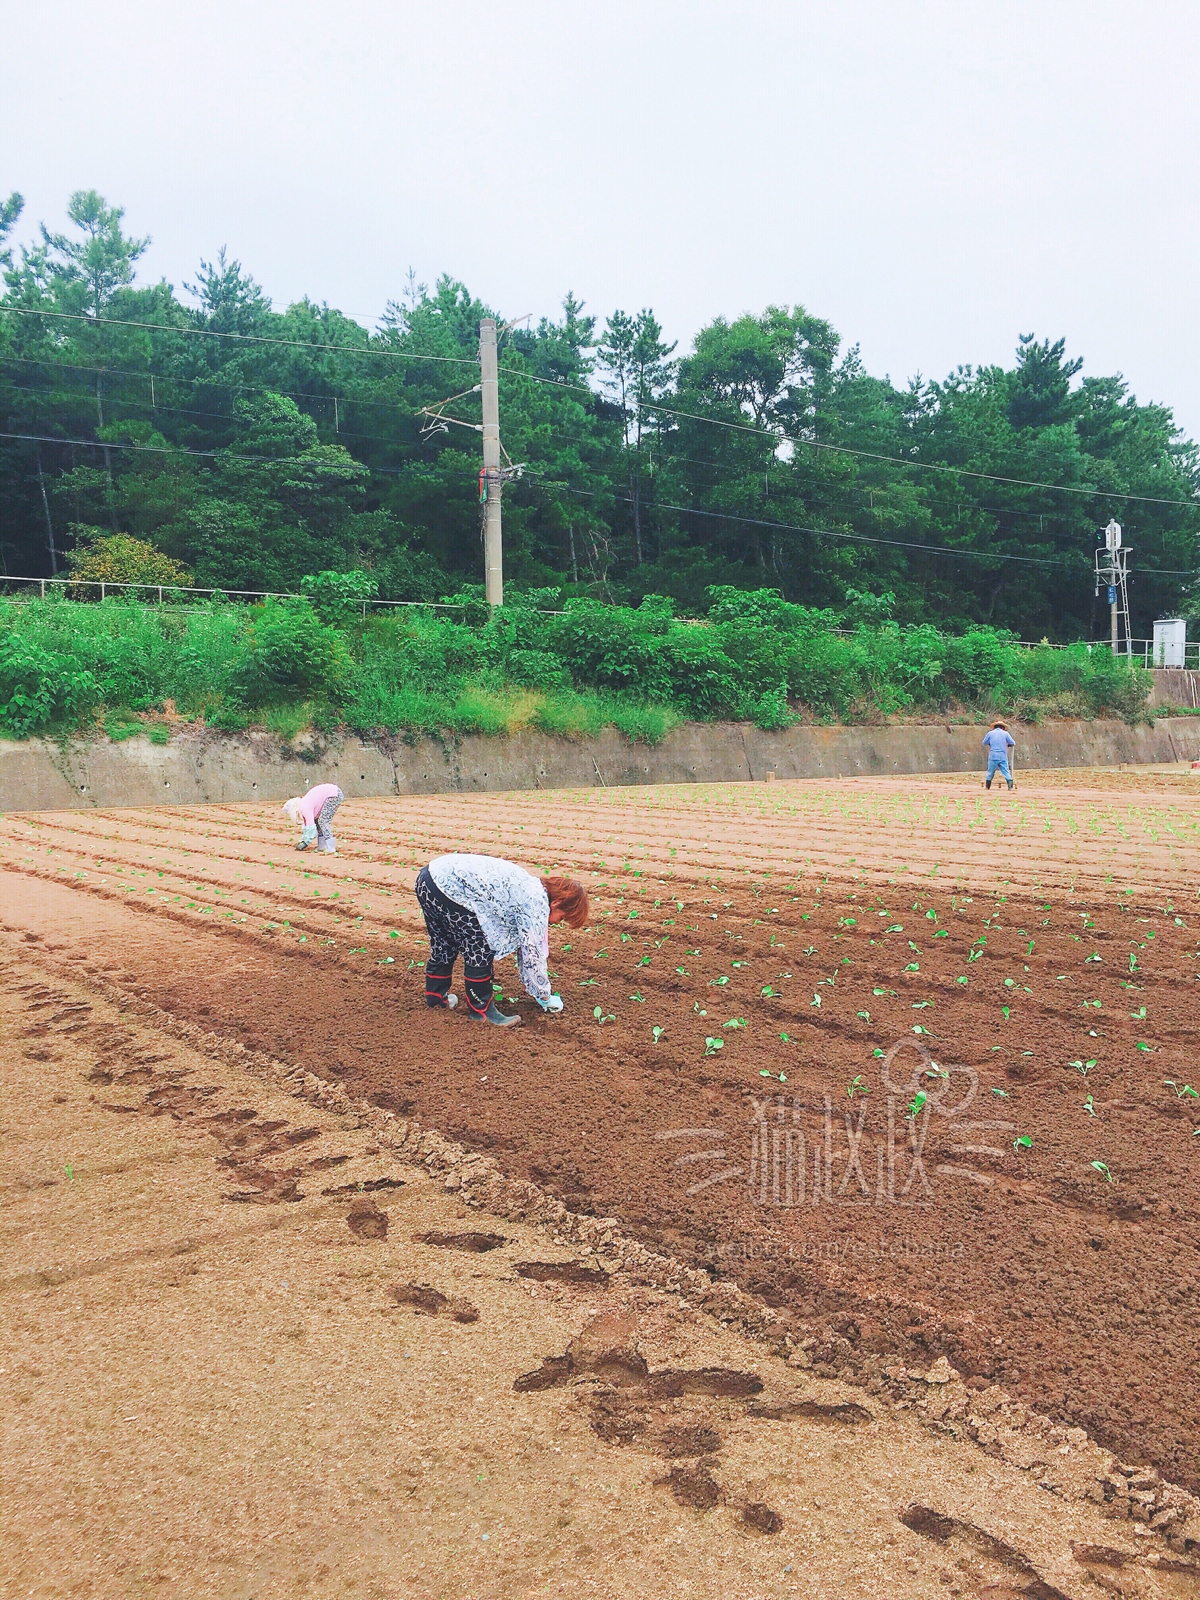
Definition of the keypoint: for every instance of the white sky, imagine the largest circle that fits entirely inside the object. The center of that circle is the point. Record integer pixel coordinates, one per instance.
(934, 178)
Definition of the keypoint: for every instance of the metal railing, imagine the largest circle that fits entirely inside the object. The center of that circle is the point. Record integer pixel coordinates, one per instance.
(173, 593)
(1140, 650)
(1143, 652)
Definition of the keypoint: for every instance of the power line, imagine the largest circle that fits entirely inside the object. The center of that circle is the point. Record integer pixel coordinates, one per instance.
(716, 422)
(869, 455)
(155, 406)
(246, 338)
(146, 376)
(855, 538)
(179, 450)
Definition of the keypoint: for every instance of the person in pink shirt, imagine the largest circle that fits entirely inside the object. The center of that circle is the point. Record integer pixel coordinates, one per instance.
(312, 813)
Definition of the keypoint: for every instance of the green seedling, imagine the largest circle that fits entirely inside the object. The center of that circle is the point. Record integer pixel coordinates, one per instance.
(735, 1022)
(1083, 1067)
(1024, 1142)
(865, 1016)
(780, 1077)
(1139, 1014)
(816, 999)
(786, 1037)
(1089, 1107)
(636, 996)
(1104, 1172)
(718, 983)
(1142, 1045)
(767, 992)
(598, 1013)
(858, 1086)
(1181, 1092)
(916, 1104)
(1003, 1093)
(711, 1046)
(658, 1033)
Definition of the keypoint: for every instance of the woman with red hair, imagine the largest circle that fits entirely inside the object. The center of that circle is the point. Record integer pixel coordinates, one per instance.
(487, 908)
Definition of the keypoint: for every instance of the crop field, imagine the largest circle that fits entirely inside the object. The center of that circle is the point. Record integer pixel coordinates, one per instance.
(914, 1062)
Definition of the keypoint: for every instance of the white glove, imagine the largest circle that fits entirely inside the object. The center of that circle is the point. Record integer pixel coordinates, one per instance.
(554, 1003)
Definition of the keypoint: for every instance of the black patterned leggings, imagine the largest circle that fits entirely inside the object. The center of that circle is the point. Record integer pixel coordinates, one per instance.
(452, 928)
(326, 814)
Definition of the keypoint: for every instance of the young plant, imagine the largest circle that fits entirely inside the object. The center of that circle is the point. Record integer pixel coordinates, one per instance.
(711, 1046)
(598, 1013)
(1180, 1092)
(1023, 1142)
(1103, 1171)
(858, 1086)
(658, 1033)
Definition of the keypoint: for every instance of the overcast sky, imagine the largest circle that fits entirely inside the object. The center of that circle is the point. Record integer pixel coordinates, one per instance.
(933, 177)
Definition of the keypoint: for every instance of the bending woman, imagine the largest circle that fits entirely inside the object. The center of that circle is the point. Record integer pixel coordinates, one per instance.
(313, 813)
(487, 908)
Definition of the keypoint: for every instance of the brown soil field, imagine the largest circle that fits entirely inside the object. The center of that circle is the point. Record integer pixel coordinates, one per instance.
(254, 1347)
(912, 1062)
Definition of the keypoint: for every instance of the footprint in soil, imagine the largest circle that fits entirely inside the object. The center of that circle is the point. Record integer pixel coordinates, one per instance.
(366, 1221)
(574, 1273)
(693, 1486)
(478, 1242)
(1012, 1573)
(368, 1186)
(432, 1302)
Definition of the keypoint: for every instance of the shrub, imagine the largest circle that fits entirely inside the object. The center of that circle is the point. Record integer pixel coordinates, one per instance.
(338, 596)
(288, 651)
(37, 688)
(119, 558)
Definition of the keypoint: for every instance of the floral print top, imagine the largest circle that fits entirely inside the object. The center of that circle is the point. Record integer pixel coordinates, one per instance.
(512, 907)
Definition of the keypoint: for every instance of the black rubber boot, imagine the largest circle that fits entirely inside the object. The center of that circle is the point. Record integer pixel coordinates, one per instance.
(481, 1003)
(437, 986)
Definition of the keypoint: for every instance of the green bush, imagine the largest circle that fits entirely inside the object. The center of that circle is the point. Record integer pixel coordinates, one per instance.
(38, 688)
(338, 596)
(288, 651)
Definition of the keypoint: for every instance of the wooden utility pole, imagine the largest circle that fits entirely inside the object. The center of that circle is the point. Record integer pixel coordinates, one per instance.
(493, 548)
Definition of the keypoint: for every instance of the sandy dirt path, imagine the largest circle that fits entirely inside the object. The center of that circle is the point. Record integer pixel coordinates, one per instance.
(210, 1389)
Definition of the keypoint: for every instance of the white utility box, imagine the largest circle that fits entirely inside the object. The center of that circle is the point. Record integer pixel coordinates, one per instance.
(1170, 637)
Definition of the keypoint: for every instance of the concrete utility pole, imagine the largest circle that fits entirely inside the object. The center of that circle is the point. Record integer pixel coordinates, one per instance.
(493, 548)
(1112, 571)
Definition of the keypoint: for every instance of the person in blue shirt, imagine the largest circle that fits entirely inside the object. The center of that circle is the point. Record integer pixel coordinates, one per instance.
(998, 742)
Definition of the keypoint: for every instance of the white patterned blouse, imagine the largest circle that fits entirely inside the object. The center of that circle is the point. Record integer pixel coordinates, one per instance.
(512, 907)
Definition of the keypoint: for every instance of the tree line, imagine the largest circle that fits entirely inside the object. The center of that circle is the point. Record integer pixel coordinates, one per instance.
(256, 447)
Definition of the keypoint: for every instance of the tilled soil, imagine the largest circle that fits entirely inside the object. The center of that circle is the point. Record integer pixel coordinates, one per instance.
(772, 979)
(205, 1399)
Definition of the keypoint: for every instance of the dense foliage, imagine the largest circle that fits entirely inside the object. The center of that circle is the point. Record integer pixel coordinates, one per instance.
(256, 446)
(568, 668)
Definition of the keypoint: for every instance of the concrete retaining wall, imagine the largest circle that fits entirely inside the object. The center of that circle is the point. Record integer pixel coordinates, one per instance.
(199, 767)
(1175, 686)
